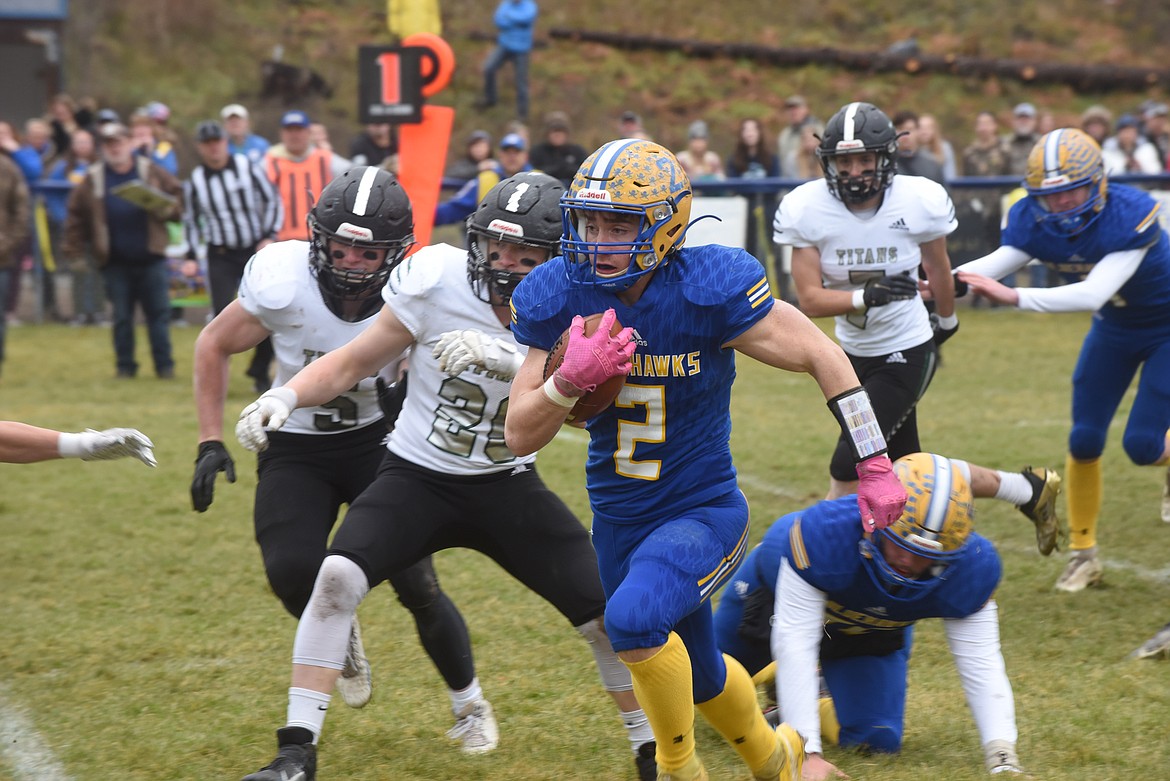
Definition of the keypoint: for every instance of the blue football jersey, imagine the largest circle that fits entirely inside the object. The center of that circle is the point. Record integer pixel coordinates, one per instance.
(1128, 221)
(822, 544)
(663, 447)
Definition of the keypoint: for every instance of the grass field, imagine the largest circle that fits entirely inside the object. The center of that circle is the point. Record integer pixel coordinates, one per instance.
(141, 642)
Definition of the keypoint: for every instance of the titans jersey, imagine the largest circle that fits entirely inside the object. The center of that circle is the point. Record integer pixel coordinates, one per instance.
(1129, 221)
(453, 425)
(663, 447)
(279, 290)
(853, 248)
(821, 544)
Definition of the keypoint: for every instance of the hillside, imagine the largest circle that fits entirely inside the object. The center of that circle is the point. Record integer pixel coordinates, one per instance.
(198, 56)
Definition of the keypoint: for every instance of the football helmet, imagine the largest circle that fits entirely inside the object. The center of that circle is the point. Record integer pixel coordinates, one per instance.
(1062, 160)
(523, 209)
(634, 177)
(363, 207)
(857, 128)
(936, 524)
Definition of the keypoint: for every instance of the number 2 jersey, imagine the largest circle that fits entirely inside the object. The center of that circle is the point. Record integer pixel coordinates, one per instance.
(279, 290)
(855, 248)
(663, 447)
(453, 425)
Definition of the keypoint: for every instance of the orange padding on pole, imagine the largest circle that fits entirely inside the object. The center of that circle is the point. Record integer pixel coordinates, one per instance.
(422, 158)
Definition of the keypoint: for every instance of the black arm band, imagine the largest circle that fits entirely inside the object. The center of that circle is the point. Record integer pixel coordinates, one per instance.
(855, 415)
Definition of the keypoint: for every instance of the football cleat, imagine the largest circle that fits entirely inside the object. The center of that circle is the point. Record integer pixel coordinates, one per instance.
(693, 770)
(1000, 756)
(1084, 569)
(1158, 645)
(1166, 498)
(787, 760)
(1041, 508)
(645, 762)
(295, 761)
(356, 683)
(476, 729)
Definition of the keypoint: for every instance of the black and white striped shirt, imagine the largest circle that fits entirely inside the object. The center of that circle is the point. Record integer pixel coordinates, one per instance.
(234, 207)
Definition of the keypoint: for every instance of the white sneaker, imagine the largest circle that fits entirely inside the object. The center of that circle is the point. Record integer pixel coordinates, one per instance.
(1000, 756)
(1166, 498)
(356, 683)
(1084, 569)
(1158, 645)
(477, 729)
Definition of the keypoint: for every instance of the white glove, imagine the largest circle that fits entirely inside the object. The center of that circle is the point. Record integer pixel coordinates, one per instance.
(269, 411)
(107, 445)
(458, 350)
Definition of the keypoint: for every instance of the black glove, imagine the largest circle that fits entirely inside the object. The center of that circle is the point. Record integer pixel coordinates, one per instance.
(213, 458)
(390, 398)
(882, 290)
(941, 334)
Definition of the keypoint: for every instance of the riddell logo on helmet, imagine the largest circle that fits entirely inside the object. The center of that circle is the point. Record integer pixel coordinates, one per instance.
(354, 232)
(1052, 181)
(505, 228)
(594, 195)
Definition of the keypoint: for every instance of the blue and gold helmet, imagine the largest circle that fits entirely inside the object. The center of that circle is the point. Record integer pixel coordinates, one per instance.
(1066, 159)
(635, 177)
(936, 523)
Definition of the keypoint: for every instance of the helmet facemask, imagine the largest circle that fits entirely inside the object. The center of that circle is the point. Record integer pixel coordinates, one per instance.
(862, 187)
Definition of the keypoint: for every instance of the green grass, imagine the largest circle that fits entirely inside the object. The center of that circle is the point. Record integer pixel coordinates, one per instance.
(141, 640)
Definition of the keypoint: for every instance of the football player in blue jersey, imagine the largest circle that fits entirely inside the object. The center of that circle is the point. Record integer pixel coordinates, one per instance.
(1106, 242)
(669, 522)
(818, 588)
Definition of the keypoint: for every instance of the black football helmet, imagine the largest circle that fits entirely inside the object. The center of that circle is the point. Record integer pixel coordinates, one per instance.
(858, 128)
(522, 209)
(363, 207)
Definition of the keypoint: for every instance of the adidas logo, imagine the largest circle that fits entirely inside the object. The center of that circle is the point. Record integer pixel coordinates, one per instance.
(896, 358)
(899, 225)
(638, 340)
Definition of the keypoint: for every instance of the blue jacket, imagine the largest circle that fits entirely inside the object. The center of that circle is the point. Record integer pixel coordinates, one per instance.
(515, 19)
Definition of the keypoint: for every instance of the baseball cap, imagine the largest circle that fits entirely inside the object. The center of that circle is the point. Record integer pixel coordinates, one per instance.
(1024, 110)
(112, 130)
(107, 115)
(513, 141)
(556, 120)
(478, 135)
(157, 111)
(792, 101)
(295, 119)
(1156, 110)
(630, 116)
(233, 110)
(698, 129)
(209, 130)
(1127, 120)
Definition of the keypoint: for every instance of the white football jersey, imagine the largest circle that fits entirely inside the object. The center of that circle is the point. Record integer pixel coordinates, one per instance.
(279, 290)
(448, 424)
(854, 248)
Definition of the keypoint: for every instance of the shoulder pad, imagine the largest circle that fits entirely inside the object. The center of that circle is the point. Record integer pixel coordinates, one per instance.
(718, 273)
(273, 274)
(419, 274)
(789, 223)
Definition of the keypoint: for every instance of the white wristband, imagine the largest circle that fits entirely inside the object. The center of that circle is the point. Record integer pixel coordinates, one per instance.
(69, 445)
(859, 300)
(948, 322)
(558, 398)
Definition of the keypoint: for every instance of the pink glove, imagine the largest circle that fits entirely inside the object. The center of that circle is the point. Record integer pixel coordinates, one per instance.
(591, 360)
(880, 494)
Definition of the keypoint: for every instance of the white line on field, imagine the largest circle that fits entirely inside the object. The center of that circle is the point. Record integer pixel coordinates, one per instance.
(21, 746)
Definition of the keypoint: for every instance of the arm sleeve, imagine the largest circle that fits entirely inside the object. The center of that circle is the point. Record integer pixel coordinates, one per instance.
(974, 643)
(1092, 292)
(796, 640)
(998, 263)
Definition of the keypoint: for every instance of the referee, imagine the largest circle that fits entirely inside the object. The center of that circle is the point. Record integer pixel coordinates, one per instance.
(232, 208)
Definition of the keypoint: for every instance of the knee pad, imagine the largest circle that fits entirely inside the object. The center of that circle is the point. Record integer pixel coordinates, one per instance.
(417, 587)
(1086, 444)
(341, 585)
(291, 578)
(1144, 448)
(615, 676)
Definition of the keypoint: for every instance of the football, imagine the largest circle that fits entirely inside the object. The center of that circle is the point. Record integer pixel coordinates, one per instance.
(598, 400)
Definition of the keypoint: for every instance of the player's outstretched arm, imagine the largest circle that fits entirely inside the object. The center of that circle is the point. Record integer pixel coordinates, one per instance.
(21, 443)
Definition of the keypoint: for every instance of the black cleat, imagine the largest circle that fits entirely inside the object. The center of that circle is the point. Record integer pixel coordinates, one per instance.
(296, 759)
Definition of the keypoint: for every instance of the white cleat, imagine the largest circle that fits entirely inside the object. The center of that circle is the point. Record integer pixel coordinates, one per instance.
(476, 729)
(1084, 569)
(356, 684)
(1158, 645)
